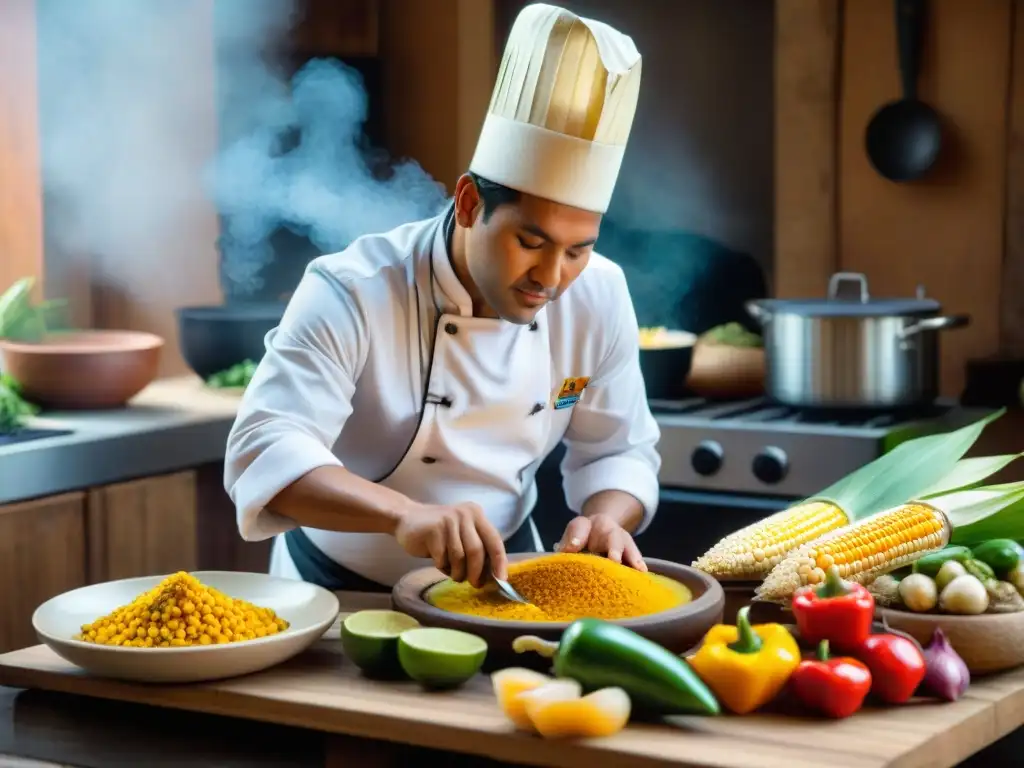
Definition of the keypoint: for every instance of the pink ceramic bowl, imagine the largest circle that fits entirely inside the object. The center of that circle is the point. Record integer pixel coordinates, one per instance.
(83, 370)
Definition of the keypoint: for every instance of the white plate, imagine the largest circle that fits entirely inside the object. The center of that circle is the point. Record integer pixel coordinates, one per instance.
(308, 609)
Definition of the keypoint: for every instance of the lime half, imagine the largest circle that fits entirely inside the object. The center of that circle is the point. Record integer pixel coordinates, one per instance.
(370, 640)
(440, 658)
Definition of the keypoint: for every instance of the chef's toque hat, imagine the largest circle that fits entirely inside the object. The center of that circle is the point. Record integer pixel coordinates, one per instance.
(561, 110)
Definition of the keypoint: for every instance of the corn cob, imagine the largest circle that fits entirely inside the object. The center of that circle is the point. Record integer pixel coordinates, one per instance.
(862, 551)
(751, 552)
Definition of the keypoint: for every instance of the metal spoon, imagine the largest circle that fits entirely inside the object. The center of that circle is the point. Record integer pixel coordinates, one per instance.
(904, 136)
(509, 591)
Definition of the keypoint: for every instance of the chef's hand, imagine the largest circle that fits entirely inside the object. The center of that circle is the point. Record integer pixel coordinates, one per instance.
(602, 535)
(459, 538)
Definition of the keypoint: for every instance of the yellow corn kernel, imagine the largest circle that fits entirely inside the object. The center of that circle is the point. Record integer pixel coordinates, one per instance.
(181, 611)
(860, 552)
(751, 552)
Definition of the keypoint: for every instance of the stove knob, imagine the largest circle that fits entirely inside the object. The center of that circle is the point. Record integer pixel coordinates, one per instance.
(771, 465)
(706, 458)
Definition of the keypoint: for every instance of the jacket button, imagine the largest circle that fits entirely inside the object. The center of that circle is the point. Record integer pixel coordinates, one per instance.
(534, 325)
(451, 328)
(428, 460)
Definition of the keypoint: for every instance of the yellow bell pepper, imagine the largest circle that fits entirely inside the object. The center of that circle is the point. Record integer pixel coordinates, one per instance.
(746, 666)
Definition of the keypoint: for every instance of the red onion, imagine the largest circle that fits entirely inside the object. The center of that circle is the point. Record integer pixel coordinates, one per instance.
(946, 674)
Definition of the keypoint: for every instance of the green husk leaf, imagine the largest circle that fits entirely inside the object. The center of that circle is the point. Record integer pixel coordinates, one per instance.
(969, 473)
(980, 514)
(904, 473)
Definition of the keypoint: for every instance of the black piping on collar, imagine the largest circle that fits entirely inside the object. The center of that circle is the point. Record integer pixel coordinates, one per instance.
(449, 229)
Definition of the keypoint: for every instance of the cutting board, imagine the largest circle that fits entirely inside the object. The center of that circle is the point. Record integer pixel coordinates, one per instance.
(322, 691)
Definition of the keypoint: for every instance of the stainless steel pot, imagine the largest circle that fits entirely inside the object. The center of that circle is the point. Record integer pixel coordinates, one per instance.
(852, 351)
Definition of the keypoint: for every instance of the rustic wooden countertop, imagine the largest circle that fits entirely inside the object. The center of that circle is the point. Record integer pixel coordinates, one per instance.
(319, 691)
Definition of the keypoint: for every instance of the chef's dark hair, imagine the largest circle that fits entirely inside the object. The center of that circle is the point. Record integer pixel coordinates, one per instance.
(493, 194)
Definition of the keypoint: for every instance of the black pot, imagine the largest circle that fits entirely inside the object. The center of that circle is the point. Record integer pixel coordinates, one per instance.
(665, 367)
(213, 339)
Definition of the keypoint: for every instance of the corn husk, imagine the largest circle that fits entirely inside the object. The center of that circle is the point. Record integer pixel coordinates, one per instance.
(970, 473)
(980, 514)
(918, 468)
(914, 468)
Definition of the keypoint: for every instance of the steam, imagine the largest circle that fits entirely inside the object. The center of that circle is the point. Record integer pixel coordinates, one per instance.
(289, 153)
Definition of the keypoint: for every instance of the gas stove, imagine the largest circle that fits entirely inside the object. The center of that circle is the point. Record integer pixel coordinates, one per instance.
(761, 448)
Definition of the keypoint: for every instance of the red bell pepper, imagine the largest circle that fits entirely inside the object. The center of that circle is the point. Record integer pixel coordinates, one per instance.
(834, 686)
(897, 666)
(838, 611)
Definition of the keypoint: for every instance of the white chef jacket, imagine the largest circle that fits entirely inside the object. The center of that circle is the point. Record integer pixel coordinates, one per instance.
(378, 365)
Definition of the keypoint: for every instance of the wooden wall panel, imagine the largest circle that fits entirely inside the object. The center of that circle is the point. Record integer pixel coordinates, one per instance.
(42, 555)
(21, 200)
(1012, 289)
(808, 41)
(143, 527)
(945, 232)
(440, 63)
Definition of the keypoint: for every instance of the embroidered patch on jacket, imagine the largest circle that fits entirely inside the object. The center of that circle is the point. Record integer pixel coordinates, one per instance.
(570, 391)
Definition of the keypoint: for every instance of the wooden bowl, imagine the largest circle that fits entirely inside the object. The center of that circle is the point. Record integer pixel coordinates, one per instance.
(83, 370)
(678, 630)
(721, 372)
(987, 643)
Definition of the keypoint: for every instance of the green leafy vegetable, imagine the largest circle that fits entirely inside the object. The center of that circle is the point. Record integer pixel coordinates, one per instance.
(13, 408)
(237, 376)
(22, 320)
(732, 335)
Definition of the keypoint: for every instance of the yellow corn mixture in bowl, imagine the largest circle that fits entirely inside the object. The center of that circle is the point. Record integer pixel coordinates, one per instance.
(181, 611)
(563, 588)
(663, 338)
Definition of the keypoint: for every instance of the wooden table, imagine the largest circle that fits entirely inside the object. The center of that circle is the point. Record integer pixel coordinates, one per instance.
(321, 691)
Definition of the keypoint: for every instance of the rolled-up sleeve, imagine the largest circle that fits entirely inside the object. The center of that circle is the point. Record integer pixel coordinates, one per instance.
(611, 441)
(297, 403)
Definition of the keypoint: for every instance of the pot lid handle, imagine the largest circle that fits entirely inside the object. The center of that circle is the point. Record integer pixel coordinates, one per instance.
(837, 281)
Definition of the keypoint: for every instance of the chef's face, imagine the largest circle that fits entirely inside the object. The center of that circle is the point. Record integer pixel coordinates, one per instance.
(523, 254)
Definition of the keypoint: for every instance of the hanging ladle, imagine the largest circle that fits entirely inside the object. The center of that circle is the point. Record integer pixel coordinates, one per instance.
(904, 137)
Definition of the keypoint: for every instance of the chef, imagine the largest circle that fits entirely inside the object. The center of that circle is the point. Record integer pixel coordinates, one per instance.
(419, 377)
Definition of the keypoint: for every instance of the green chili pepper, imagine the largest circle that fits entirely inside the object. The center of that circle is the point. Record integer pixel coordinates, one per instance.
(598, 654)
(929, 565)
(979, 570)
(1001, 555)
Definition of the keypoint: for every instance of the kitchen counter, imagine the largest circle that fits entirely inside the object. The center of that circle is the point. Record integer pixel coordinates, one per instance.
(319, 692)
(173, 424)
